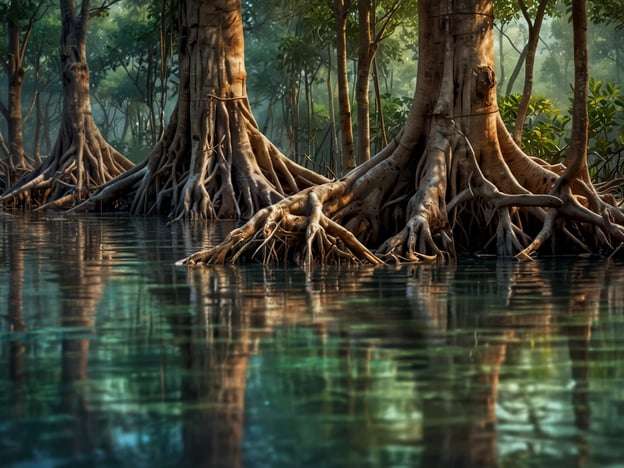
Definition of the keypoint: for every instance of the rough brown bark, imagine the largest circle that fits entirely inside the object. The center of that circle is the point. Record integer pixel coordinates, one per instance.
(362, 81)
(16, 80)
(535, 27)
(17, 162)
(371, 31)
(213, 161)
(81, 160)
(452, 181)
(341, 11)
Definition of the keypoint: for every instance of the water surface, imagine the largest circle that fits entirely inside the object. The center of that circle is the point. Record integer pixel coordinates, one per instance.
(111, 355)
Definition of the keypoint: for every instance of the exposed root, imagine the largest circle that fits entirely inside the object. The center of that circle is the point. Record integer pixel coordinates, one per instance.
(232, 175)
(294, 229)
(76, 167)
(349, 220)
(454, 182)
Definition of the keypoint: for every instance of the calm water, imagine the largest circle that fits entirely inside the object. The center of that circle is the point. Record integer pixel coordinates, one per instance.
(111, 355)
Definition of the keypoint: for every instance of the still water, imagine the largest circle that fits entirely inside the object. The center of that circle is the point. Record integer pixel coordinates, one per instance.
(111, 355)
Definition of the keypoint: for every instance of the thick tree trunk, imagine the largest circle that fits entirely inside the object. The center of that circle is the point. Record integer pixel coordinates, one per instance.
(452, 181)
(213, 161)
(81, 159)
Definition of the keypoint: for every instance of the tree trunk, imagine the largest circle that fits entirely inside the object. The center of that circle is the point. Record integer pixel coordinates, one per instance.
(334, 148)
(452, 181)
(81, 159)
(381, 125)
(341, 11)
(516, 71)
(501, 56)
(529, 64)
(15, 73)
(576, 160)
(362, 81)
(16, 80)
(212, 161)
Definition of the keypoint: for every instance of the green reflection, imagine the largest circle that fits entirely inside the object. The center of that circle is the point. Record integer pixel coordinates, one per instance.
(112, 355)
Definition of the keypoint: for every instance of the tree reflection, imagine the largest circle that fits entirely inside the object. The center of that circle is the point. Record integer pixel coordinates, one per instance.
(15, 313)
(431, 365)
(78, 256)
(474, 331)
(215, 339)
(84, 263)
(460, 389)
(459, 413)
(583, 309)
(230, 309)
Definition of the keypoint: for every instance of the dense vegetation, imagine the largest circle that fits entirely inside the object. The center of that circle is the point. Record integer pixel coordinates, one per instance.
(289, 47)
(418, 178)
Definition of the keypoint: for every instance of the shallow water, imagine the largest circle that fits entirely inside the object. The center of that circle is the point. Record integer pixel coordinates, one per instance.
(111, 355)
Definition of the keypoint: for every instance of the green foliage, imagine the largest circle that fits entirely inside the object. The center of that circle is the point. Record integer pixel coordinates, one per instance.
(545, 127)
(289, 61)
(506, 11)
(296, 56)
(606, 130)
(606, 11)
(395, 110)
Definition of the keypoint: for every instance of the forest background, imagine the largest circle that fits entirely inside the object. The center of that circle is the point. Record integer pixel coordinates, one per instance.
(289, 49)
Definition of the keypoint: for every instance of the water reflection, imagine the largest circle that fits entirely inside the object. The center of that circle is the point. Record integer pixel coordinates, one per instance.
(15, 313)
(113, 355)
(459, 409)
(491, 326)
(215, 340)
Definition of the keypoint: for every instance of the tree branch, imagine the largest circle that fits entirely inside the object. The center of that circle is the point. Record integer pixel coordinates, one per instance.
(105, 5)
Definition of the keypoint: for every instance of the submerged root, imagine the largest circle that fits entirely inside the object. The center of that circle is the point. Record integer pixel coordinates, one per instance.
(295, 229)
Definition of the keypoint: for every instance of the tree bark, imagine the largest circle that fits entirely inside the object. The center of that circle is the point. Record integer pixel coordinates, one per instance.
(213, 161)
(341, 10)
(381, 125)
(16, 80)
(362, 82)
(535, 27)
(334, 146)
(14, 67)
(453, 180)
(81, 159)
(576, 159)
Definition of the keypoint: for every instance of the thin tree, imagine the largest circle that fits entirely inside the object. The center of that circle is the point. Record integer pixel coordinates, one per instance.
(371, 31)
(21, 17)
(341, 15)
(453, 181)
(535, 26)
(81, 160)
(575, 176)
(213, 161)
(365, 57)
